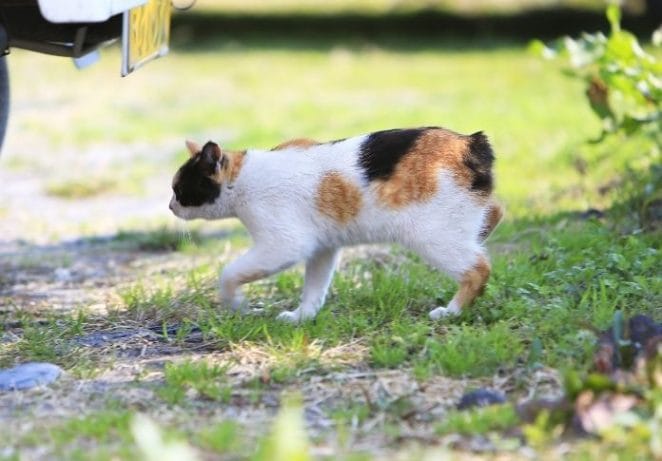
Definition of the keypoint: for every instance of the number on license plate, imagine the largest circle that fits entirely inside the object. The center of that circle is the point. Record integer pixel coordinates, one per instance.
(145, 34)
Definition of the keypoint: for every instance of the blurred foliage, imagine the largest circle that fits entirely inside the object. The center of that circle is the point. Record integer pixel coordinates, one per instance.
(386, 6)
(288, 440)
(154, 444)
(619, 401)
(623, 82)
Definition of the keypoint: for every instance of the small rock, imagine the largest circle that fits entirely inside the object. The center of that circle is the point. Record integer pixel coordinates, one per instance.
(103, 338)
(480, 398)
(63, 275)
(593, 414)
(592, 213)
(642, 330)
(558, 409)
(28, 375)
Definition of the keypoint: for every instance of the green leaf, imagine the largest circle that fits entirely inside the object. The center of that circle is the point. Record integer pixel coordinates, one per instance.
(580, 54)
(618, 326)
(630, 125)
(656, 39)
(572, 383)
(614, 17)
(539, 49)
(597, 382)
(623, 48)
(535, 352)
(629, 96)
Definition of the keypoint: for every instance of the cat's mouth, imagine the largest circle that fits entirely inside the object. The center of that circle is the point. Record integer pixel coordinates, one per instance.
(177, 209)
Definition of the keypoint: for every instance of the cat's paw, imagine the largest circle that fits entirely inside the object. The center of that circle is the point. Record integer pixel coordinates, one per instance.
(443, 312)
(294, 317)
(236, 303)
(291, 317)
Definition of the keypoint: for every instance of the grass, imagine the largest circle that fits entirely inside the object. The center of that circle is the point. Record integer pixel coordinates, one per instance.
(470, 350)
(83, 188)
(99, 184)
(479, 420)
(161, 239)
(532, 295)
(221, 438)
(203, 379)
(438, 79)
(103, 426)
(556, 275)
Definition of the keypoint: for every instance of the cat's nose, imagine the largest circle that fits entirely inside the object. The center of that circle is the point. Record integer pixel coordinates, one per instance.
(170, 206)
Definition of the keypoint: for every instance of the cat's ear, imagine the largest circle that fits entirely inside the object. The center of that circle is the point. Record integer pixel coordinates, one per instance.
(211, 158)
(193, 147)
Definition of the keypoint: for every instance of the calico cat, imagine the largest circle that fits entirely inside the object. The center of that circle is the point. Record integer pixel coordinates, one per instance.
(429, 189)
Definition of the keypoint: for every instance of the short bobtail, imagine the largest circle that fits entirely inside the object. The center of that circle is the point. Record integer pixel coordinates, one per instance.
(403, 164)
(479, 159)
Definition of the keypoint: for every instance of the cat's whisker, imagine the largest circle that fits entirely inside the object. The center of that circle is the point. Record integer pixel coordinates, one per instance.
(185, 234)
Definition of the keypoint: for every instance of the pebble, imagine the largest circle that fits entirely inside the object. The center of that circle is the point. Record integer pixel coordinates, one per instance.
(28, 375)
(103, 338)
(62, 274)
(480, 398)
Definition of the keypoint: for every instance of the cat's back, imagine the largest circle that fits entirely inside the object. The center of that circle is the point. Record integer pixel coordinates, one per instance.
(372, 187)
(296, 166)
(305, 156)
(390, 170)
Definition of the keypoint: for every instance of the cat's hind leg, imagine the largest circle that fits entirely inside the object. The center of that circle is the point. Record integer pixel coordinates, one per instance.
(493, 216)
(472, 284)
(319, 272)
(461, 258)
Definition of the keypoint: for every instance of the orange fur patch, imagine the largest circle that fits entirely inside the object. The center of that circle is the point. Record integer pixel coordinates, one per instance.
(236, 162)
(338, 198)
(415, 178)
(232, 167)
(473, 283)
(494, 216)
(299, 142)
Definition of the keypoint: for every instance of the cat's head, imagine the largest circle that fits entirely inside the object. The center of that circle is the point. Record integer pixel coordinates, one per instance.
(197, 184)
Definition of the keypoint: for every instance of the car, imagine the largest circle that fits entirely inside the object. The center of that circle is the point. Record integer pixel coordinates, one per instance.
(77, 29)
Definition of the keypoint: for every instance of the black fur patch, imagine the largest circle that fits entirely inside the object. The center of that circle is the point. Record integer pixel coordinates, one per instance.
(194, 187)
(382, 151)
(479, 159)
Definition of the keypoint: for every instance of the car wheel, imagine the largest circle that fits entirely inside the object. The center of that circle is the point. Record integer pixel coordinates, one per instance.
(4, 98)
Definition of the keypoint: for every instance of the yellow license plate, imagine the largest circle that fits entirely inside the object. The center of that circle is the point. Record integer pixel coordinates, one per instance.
(145, 34)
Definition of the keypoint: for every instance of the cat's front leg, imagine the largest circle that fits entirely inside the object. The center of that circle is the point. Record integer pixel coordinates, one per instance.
(259, 262)
(319, 272)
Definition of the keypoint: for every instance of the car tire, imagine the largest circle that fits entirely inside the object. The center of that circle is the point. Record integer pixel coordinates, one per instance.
(4, 98)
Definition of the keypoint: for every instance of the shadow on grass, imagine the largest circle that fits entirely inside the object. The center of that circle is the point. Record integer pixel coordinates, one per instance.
(400, 30)
(157, 240)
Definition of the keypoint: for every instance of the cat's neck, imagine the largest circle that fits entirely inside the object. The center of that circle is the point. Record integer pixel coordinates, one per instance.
(230, 193)
(235, 162)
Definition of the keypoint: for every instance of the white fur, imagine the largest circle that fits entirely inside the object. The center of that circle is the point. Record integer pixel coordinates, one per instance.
(274, 197)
